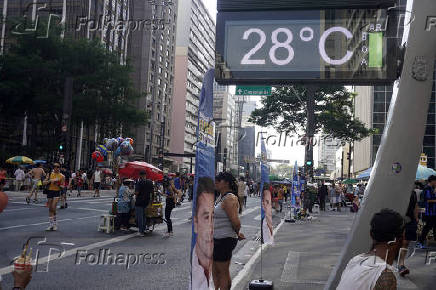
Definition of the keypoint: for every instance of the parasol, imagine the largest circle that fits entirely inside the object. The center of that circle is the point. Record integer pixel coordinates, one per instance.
(19, 160)
(132, 169)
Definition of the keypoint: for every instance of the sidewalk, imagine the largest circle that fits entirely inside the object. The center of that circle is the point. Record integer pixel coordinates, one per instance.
(303, 256)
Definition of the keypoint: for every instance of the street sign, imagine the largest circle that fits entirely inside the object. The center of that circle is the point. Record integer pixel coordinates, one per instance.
(346, 46)
(253, 91)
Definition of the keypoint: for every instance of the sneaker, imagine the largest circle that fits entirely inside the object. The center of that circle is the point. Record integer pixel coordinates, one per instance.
(403, 271)
(50, 228)
(27, 199)
(140, 234)
(55, 228)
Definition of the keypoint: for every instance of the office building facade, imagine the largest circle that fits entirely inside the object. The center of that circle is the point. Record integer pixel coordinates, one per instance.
(195, 54)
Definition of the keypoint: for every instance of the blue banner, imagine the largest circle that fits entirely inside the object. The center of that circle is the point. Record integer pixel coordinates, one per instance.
(266, 198)
(204, 195)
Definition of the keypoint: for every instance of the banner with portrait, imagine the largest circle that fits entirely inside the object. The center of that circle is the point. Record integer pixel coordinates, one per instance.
(204, 190)
(266, 199)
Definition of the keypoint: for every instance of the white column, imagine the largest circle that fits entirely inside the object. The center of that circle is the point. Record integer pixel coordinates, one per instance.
(24, 143)
(64, 18)
(402, 139)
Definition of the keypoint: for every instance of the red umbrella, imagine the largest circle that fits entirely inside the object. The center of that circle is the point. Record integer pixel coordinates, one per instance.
(132, 169)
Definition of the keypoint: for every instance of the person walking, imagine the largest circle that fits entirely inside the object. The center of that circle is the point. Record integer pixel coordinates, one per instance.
(38, 174)
(430, 211)
(226, 231)
(322, 193)
(96, 178)
(170, 192)
(332, 196)
(19, 178)
(78, 181)
(241, 191)
(143, 190)
(55, 182)
(67, 177)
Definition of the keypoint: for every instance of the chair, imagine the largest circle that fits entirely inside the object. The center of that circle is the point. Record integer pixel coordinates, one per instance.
(107, 223)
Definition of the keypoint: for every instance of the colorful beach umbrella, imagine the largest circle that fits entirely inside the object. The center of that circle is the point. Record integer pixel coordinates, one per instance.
(19, 160)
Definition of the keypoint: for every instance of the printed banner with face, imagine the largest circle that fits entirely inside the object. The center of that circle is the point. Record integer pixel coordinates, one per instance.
(266, 199)
(204, 191)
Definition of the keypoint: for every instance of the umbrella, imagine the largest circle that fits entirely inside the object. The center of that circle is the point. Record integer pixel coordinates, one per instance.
(350, 181)
(39, 161)
(422, 172)
(132, 169)
(107, 171)
(19, 160)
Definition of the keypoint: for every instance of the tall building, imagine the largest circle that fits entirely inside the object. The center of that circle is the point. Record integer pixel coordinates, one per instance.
(327, 148)
(372, 106)
(151, 52)
(195, 54)
(224, 109)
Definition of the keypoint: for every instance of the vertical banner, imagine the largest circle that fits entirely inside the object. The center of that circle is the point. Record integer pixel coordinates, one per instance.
(294, 187)
(266, 199)
(204, 190)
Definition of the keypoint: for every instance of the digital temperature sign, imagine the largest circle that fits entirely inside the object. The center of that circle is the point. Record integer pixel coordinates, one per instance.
(349, 46)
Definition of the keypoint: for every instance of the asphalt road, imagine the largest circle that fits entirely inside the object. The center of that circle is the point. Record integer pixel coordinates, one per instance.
(167, 268)
(302, 256)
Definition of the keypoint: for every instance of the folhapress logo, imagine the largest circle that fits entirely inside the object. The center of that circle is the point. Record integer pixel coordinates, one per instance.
(430, 23)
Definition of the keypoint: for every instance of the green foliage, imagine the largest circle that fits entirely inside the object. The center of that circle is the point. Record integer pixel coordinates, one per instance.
(32, 77)
(286, 111)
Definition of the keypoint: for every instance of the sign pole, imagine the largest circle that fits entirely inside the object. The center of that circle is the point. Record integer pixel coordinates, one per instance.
(395, 166)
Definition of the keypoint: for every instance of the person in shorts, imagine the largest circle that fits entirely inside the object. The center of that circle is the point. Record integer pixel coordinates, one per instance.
(97, 181)
(37, 175)
(55, 182)
(226, 232)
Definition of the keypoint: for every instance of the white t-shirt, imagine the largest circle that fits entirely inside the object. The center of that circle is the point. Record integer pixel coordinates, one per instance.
(362, 272)
(19, 174)
(97, 176)
(199, 281)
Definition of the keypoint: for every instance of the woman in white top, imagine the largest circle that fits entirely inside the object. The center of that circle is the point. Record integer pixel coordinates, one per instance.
(226, 229)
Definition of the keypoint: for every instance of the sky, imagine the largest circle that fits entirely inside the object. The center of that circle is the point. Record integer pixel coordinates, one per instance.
(211, 6)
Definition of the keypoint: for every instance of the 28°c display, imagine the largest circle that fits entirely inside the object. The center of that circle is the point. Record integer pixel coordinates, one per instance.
(346, 46)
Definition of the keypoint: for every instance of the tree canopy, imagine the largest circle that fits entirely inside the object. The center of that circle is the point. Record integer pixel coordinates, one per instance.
(286, 110)
(32, 76)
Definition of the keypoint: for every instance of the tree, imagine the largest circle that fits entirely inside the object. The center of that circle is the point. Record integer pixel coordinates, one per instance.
(282, 170)
(286, 111)
(32, 78)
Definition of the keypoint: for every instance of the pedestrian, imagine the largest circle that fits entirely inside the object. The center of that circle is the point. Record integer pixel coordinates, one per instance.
(3, 174)
(123, 205)
(67, 177)
(247, 190)
(241, 191)
(143, 190)
(429, 218)
(19, 178)
(226, 229)
(280, 197)
(38, 174)
(178, 185)
(322, 193)
(410, 227)
(78, 181)
(373, 270)
(339, 193)
(55, 182)
(332, 197)
(96, 179)
(170, 193)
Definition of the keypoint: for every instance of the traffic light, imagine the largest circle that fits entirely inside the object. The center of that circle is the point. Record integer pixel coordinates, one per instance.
(309, 162)
(61, 147)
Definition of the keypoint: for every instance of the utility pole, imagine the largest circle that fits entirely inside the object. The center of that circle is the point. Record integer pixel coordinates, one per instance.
(66, 118)
(310, 128)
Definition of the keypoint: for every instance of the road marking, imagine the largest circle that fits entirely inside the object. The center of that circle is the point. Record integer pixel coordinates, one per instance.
(247, 211)
(290, 268)
(17, 209)
(42, 223)
(9, 269)
(247, 268)
(92, 209)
